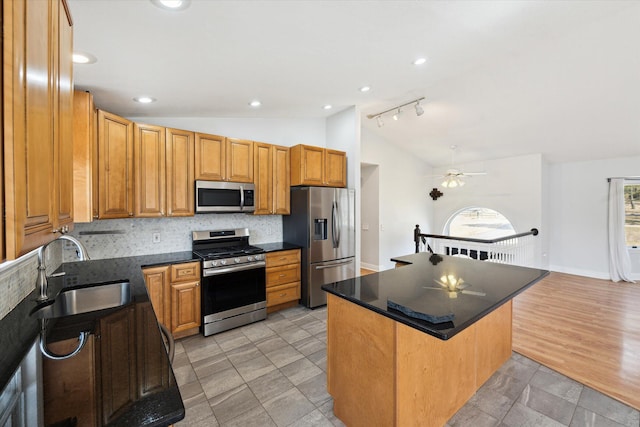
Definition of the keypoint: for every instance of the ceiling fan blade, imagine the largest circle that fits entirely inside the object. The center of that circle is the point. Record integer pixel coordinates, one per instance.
(480, 294)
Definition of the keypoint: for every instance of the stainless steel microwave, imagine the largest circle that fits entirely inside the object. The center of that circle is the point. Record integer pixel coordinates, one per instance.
(224, 197)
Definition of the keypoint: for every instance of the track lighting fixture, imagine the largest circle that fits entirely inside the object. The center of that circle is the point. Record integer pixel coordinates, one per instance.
(398, 111)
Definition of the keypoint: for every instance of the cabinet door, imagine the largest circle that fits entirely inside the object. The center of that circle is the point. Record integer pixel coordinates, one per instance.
(28, 125)
(115, 166)
(239, 160)
(210, 157)
(149, 168)
(157, 281)
(117, 362)
(281, 181)
(335, 173)
(180, 173)
(64, 131)
(85, 191)
(152, 366)
(185, 306)
(263, 178)
(307, 165)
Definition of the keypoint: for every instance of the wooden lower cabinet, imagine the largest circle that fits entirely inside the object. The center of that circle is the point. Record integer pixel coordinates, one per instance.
(122, 361)
(282, 279)
(174, 291)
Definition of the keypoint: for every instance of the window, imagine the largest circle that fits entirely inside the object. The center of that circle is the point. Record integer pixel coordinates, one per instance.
(632, 213)
(479, 223)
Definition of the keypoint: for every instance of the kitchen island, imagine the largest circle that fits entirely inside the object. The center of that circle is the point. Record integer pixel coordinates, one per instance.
(387, 365)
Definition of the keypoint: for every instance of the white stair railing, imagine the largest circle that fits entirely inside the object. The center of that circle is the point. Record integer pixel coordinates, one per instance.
(516, 249)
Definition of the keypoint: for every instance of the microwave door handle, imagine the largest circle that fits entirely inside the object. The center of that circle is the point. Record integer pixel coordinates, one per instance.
(241, 198)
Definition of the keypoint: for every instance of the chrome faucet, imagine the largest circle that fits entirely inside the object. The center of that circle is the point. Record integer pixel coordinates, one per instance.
(41, 281)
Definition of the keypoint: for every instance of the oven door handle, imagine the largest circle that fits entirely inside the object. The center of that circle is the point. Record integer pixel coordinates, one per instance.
(232, 268)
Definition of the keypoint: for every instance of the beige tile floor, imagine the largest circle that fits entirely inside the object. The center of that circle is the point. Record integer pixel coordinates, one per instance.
(273, 373)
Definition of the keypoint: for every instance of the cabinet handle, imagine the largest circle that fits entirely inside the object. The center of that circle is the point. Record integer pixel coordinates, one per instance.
(283, 295)
(282, 275)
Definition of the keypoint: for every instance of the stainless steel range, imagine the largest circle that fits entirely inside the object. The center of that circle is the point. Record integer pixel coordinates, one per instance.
(233, 279)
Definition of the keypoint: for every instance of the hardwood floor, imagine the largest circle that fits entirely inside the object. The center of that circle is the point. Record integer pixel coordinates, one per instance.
(364, 271)
(587, 329)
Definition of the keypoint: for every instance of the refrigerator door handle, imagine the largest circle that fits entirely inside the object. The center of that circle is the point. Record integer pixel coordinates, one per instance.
(333, 265)
(336, 225)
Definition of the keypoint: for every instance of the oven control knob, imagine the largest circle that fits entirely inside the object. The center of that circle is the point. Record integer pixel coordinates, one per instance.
(214, 263)
(249, 258)
(237, 260)
(223, 261)
(259, 257)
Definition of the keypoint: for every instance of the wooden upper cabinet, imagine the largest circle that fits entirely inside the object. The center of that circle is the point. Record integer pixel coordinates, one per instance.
(271, 177)
(263, 178)
(239, 160)
(115, 166)
(281, 180)
(149, 169)
(180, 172)
(210, 157)
(64, 133)
(35, 53)
(335, 168)
(85, 158)
(307, 165)
(318, 166)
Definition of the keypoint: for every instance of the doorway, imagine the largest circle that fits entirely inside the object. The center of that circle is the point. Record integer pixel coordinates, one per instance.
(370, 216)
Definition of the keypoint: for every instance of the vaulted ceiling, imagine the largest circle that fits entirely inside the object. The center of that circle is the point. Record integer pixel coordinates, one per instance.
(502, 78)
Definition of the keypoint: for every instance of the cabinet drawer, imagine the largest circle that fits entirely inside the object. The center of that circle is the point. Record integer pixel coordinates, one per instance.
(283, 293)
(185, 271)
(285, 274)
(275, 259)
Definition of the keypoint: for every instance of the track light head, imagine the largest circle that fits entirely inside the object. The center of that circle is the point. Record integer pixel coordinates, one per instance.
(380, 122)
(396, 116)
(419, 109)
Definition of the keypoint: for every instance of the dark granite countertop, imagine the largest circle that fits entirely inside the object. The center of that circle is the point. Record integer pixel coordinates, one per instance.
(18, 331)
(482, 287)
(277, 246)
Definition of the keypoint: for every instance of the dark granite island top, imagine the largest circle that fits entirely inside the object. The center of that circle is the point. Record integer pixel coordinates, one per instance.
(122, 377)
(419, 285)
(387, 367)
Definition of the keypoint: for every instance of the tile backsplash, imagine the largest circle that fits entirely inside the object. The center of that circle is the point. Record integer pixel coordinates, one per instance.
(130, 237)
(127, 237)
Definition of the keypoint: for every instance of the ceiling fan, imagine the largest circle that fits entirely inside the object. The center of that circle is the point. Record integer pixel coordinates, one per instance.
(455, 177)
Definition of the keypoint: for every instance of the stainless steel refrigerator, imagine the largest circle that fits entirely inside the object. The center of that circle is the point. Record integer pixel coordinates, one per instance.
(322, 221)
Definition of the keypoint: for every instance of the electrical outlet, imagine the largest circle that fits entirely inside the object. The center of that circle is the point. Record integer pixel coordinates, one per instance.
(156, 237)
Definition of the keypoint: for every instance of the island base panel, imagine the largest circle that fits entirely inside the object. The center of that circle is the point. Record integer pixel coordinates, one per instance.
(381, 372)
(360, 364)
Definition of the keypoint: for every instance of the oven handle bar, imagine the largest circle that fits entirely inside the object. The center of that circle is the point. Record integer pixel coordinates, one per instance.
(217, 271)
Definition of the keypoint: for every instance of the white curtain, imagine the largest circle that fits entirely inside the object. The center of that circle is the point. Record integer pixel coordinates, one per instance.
(619, 261)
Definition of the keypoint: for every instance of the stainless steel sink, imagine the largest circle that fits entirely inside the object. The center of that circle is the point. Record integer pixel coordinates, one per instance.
(85, 299)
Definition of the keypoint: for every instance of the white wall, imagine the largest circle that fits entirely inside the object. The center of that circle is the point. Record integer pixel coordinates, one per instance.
(578, 215)
(513, 187)
(370, 219)
(404, 200)
(287, 132)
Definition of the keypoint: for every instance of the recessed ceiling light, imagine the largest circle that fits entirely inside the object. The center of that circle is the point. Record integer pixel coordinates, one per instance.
(365, 88)
(172, 4)
(328, 107)
(255, 103)
(83, 58)
(419, 61)
(144, 99)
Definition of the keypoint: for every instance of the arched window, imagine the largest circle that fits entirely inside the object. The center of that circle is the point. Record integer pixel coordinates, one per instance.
(478, 223)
